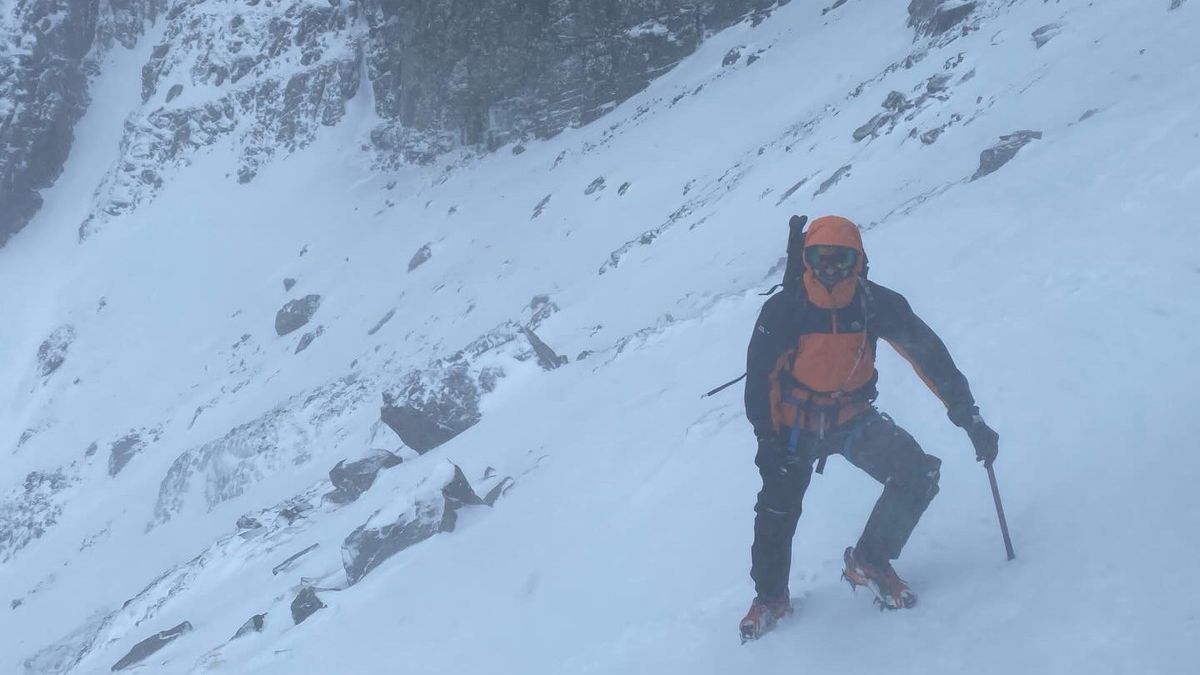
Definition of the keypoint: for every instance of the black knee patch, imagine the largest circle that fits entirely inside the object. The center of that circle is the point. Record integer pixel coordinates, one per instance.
(920, 478)
(783, 490)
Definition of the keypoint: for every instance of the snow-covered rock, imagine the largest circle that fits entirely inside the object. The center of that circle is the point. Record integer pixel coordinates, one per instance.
(151, 645)
(433, 508)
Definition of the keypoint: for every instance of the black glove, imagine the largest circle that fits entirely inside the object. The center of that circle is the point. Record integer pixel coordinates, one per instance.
(983, 437)
(985, 440)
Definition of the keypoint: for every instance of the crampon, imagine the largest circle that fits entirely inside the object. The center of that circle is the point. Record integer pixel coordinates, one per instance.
(763, 616)
(891, 592)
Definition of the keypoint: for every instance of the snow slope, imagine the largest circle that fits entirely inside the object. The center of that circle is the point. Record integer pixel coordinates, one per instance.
(1063, 283)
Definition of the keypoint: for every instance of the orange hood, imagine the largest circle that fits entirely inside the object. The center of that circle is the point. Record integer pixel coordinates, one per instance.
(833, 231)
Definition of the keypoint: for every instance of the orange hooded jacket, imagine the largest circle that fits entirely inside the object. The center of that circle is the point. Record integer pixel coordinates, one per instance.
(811, 359)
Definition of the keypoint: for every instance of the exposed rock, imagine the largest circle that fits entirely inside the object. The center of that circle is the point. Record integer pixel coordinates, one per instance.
(45, 57)
(247, 522)
(296, 313)
(835, 5)
(433, 407)
(254, 624)
(541, 206)
(444, 75)
(1046, 33)
(53, 351)
(540, 308)
(29, 510)
(499, 490)
(873, 126)
(246, 79)
(410, 520)
(123, 449)
(732, 57)
(998, 155)
(546, 356)
(379, 324)
(287, 564)
(1176, 4)
(419, 258)
(225, 468)
(624, 188)
(352, 479)
(307, 338)
(833, 180)
(595, 186)
(288, 283)
(151, 645)
(306, 604)
(935, 17)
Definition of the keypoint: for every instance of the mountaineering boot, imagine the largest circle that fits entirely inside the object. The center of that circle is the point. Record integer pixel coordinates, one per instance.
(890, 590)
(763, 615)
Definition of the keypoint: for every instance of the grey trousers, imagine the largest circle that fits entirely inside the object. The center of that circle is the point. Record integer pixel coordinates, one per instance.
(871, 442)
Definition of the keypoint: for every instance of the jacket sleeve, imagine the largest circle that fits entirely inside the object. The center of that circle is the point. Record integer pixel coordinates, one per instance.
(766, 344)
(913, 339)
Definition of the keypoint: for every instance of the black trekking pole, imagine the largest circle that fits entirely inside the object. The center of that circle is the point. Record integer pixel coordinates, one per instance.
(1000, 513)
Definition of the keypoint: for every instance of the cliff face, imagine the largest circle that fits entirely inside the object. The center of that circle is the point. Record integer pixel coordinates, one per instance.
(489, 73)
(445, 74)
(48, 48)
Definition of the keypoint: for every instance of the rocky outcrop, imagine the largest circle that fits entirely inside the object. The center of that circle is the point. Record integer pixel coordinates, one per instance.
(306, 604)
(937, 17)
(408, 521)
(148, 647)
(271, 76)
(419, 258)
(225, 468)
(29, 510)
(123, 450)
(48, 49)
(296, 314)
(433, 406)
(53, 351)
(254, 624)
(494, 71)
(351, 479)
(307, 339)
(998, 155)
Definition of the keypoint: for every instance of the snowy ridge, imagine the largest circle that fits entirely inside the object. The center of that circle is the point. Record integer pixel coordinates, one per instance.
(1025, 188)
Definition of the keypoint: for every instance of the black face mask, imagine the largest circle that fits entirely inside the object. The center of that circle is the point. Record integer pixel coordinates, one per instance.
(830, 264)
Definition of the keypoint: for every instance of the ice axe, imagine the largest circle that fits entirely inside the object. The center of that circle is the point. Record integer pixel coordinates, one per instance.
(1008, 547)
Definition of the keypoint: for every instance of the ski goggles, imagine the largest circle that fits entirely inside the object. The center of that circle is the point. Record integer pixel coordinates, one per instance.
(837, 257)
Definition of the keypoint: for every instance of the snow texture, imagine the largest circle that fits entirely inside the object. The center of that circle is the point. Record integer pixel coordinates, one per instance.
(1060, 278)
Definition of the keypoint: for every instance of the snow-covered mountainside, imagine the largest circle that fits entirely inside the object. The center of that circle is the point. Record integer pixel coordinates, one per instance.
(289, 407)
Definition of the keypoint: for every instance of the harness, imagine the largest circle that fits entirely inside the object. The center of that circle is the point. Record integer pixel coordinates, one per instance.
(828, 409)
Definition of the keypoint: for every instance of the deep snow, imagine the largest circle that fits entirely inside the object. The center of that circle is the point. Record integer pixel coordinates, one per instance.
(1063, 283)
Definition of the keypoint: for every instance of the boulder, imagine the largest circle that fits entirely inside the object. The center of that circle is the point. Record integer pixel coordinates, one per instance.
(307, 338)
(998, 155)
(53, 351)
(254, 624)
(937, 17)
(296, 313)
(306, 604)
(351, 479)
(408, 521)
(434, 406)
(123, 449)
(421, 257)
(151, 645)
